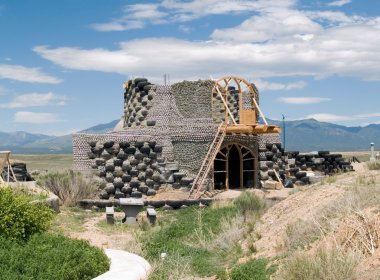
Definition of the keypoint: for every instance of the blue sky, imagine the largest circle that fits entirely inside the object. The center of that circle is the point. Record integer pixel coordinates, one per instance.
(63, 63)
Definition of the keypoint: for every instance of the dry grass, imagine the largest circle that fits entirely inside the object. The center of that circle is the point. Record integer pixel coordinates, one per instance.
(326, 264)
(301, 234)
(374, 165)
(172, 267)
(349, 228)
(359, 231)
(46, 162)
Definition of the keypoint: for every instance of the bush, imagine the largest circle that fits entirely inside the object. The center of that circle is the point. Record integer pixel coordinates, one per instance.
(326, 264)
(20, 217)
(247, 202)
(68, 185)
(374, 165)
(252, 270)
(51, 257)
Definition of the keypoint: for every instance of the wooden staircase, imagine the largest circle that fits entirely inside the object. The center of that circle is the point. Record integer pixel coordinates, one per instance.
(208, 162)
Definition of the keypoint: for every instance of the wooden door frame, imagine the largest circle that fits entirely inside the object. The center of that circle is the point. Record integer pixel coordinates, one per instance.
(241, 156)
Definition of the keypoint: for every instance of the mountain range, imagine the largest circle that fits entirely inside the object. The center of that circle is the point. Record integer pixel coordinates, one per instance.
(300, 135)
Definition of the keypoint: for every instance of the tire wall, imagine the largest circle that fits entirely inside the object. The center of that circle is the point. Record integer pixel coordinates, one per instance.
(293, 164)
(138, 100)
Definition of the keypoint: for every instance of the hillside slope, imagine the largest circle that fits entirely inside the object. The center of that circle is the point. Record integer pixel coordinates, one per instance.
(336, 221)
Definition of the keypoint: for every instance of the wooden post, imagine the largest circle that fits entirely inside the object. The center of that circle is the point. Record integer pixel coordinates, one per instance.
(261, 113)
(225, 105)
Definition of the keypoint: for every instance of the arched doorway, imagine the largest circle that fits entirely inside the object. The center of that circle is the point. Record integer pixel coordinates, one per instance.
(234, 167)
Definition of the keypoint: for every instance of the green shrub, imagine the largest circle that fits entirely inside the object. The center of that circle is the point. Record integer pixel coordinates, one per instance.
(50, 257)
(20, 217)
(252, 270)
(69, 186)
(248, 202)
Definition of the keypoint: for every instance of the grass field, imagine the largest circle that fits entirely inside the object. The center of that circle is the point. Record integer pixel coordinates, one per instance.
(45, 162)
(362, 155)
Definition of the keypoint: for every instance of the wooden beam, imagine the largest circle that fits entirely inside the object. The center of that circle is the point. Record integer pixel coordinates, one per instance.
(260, 112)
(226, 105)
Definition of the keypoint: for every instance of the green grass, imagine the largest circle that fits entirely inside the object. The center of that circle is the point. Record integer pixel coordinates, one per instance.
(45, 162)
(71, 220)
(202, 242)
(178, 236)
(253, 270)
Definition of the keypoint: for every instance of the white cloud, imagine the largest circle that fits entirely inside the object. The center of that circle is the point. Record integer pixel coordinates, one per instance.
(264, 85)
(324, 117)
(333, 52)
(35, 118)
(339, 3)
(367, 116)
(35, 100)
(136, 16)
(302, 100)
(278, 40)
(272, 25)
(26, 74)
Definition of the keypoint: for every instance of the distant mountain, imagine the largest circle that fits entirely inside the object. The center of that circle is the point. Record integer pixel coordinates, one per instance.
(101, 128)
(311, 135)
(20, 138)
(301, 135)
(27, 143)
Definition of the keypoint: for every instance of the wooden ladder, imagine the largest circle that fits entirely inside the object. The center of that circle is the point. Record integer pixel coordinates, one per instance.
(208, 161)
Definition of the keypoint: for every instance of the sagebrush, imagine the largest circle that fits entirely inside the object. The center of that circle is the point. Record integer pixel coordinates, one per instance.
(68, 185)
(248, 202)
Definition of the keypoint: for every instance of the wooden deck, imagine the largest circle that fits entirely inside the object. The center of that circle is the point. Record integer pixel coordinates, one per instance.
(253, 129)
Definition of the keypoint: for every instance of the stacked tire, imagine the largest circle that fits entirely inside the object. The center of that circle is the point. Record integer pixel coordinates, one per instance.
(137, 103)
(127, 169)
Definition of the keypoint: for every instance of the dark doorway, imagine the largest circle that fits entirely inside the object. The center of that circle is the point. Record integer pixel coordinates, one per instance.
(234, 169)
(220, 172)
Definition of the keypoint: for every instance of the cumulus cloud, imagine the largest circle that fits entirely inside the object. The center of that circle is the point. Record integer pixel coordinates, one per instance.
(26, 74)
(35, 100)
(333, 52)
(277, 40)
(270, 25)
(302, 100)
(35, 118)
